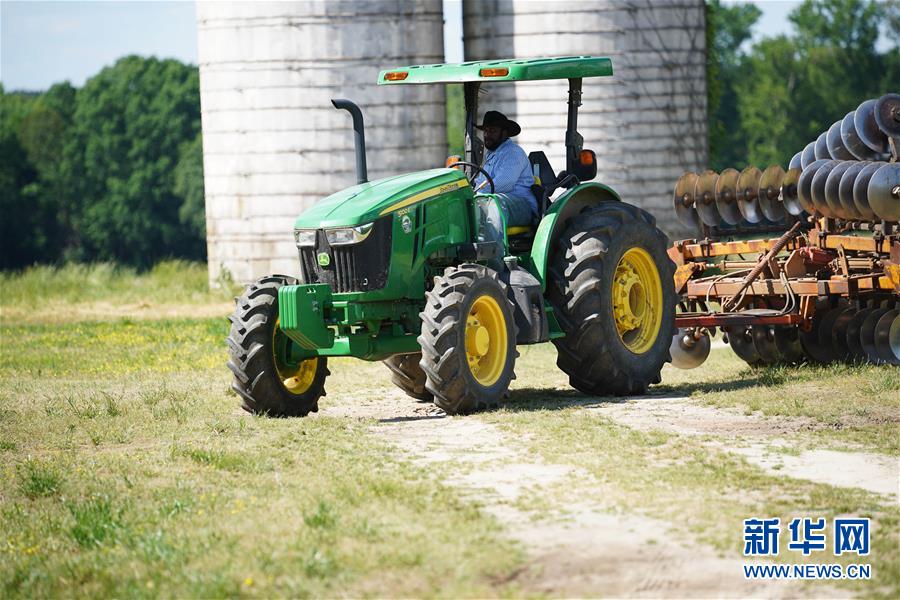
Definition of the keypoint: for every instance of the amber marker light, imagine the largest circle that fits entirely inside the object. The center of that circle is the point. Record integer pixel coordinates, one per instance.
(494, 72)
(587, 157)
(396, 75)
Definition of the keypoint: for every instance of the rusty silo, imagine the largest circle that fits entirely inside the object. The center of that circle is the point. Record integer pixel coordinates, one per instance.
(647, 123)
(272, 142)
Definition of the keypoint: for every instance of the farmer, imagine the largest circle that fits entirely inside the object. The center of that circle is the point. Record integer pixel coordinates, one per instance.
(510, 169)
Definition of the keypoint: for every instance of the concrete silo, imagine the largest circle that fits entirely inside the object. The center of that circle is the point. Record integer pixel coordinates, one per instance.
(647, 123)
(272, 142)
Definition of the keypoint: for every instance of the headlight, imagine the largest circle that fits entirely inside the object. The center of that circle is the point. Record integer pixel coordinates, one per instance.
(348, 235)
(305, 237)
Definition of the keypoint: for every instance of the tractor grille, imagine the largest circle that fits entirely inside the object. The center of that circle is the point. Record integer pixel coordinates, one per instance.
(358, 267)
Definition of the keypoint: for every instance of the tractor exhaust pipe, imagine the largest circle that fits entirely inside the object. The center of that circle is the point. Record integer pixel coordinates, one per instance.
(359, 137)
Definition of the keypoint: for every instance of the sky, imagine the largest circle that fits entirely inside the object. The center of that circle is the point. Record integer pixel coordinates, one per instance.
(43, 42)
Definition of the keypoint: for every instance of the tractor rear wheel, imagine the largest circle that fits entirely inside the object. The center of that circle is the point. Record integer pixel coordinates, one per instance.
(611, 287)
(468, 339)
(265, 377)
(407, 375)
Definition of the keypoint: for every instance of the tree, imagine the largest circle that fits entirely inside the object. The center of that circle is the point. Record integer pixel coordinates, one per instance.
(729, 28)
(129, 125)
(787, 90)
(189, 186)
(31, 134)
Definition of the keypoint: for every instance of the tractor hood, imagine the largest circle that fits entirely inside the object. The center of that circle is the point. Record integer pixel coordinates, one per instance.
(366, 202)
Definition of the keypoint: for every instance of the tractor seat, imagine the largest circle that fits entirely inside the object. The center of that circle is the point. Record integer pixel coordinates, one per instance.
(520, 238)
(519, 230)
(545, 180)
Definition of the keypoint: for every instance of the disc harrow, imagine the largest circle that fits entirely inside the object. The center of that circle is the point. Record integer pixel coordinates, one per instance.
(825, 286)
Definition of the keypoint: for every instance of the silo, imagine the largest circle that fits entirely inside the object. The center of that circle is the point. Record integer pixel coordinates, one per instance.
(272, 142)
(647, 123)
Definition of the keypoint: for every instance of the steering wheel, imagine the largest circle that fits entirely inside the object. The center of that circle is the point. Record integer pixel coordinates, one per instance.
(477, 169)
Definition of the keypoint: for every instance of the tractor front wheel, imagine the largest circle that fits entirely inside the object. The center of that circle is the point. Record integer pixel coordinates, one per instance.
(468, 339)
(611, 289)
(268, 381)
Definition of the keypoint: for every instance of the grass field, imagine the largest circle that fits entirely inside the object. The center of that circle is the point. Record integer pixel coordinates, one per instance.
(127, 469)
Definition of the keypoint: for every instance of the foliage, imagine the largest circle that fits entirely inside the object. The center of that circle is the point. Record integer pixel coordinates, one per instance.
(130, 122)
(111, 171)
(768, 100)
(729, 27)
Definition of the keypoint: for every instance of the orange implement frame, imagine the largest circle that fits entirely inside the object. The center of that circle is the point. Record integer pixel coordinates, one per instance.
(809, 267)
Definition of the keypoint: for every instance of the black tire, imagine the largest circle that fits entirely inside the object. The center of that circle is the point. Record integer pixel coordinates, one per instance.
(252, 344)
(582, 269)
(407, 374)
(445, 361)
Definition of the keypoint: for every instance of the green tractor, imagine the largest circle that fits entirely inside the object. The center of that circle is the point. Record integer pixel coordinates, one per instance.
(420, 271)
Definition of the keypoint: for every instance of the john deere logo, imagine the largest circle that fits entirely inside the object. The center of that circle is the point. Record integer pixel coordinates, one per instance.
(324, 259)
(406, 224)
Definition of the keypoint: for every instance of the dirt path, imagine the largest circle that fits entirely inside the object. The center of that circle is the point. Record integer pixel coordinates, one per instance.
(575, 549)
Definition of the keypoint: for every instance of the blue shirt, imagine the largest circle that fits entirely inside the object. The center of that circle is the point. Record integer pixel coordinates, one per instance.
(510, 169)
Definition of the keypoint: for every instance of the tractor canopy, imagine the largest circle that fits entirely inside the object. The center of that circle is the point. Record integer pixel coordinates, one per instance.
(526, 69)
(365, 202)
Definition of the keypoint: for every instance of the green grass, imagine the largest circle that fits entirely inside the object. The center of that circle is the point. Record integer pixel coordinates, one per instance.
(126, 469)
(47, 294)
(121, 348)
(174, 493)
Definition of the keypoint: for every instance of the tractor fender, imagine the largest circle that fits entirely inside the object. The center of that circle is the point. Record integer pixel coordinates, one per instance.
(554, 221)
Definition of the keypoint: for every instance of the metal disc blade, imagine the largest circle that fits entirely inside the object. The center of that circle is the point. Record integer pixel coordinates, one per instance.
(851, 140)
(769, 193)
(845, 189)
(804, 186)
(817, 189)
(887, 352)
(887, 114)
(795, 161)
(836, 147)
(726, 199)
(683, 200)
(839, 334)
(689, 352)
(894, 339)
(832, 182)
(741, 341)
(747, 189)
(884, 192)
(853, 327)
(826, 327)
(808, 155)
(816, 345)
(705, 198)
(789, 191)
(764, 341)
(861, 190)
(821, 148)
(867, 334)
(787, 339)
(867, 129)
(811, 346)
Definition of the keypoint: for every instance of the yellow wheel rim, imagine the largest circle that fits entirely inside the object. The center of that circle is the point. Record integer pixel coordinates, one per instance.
(486, 340)
(637, 300)
(297, 379)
